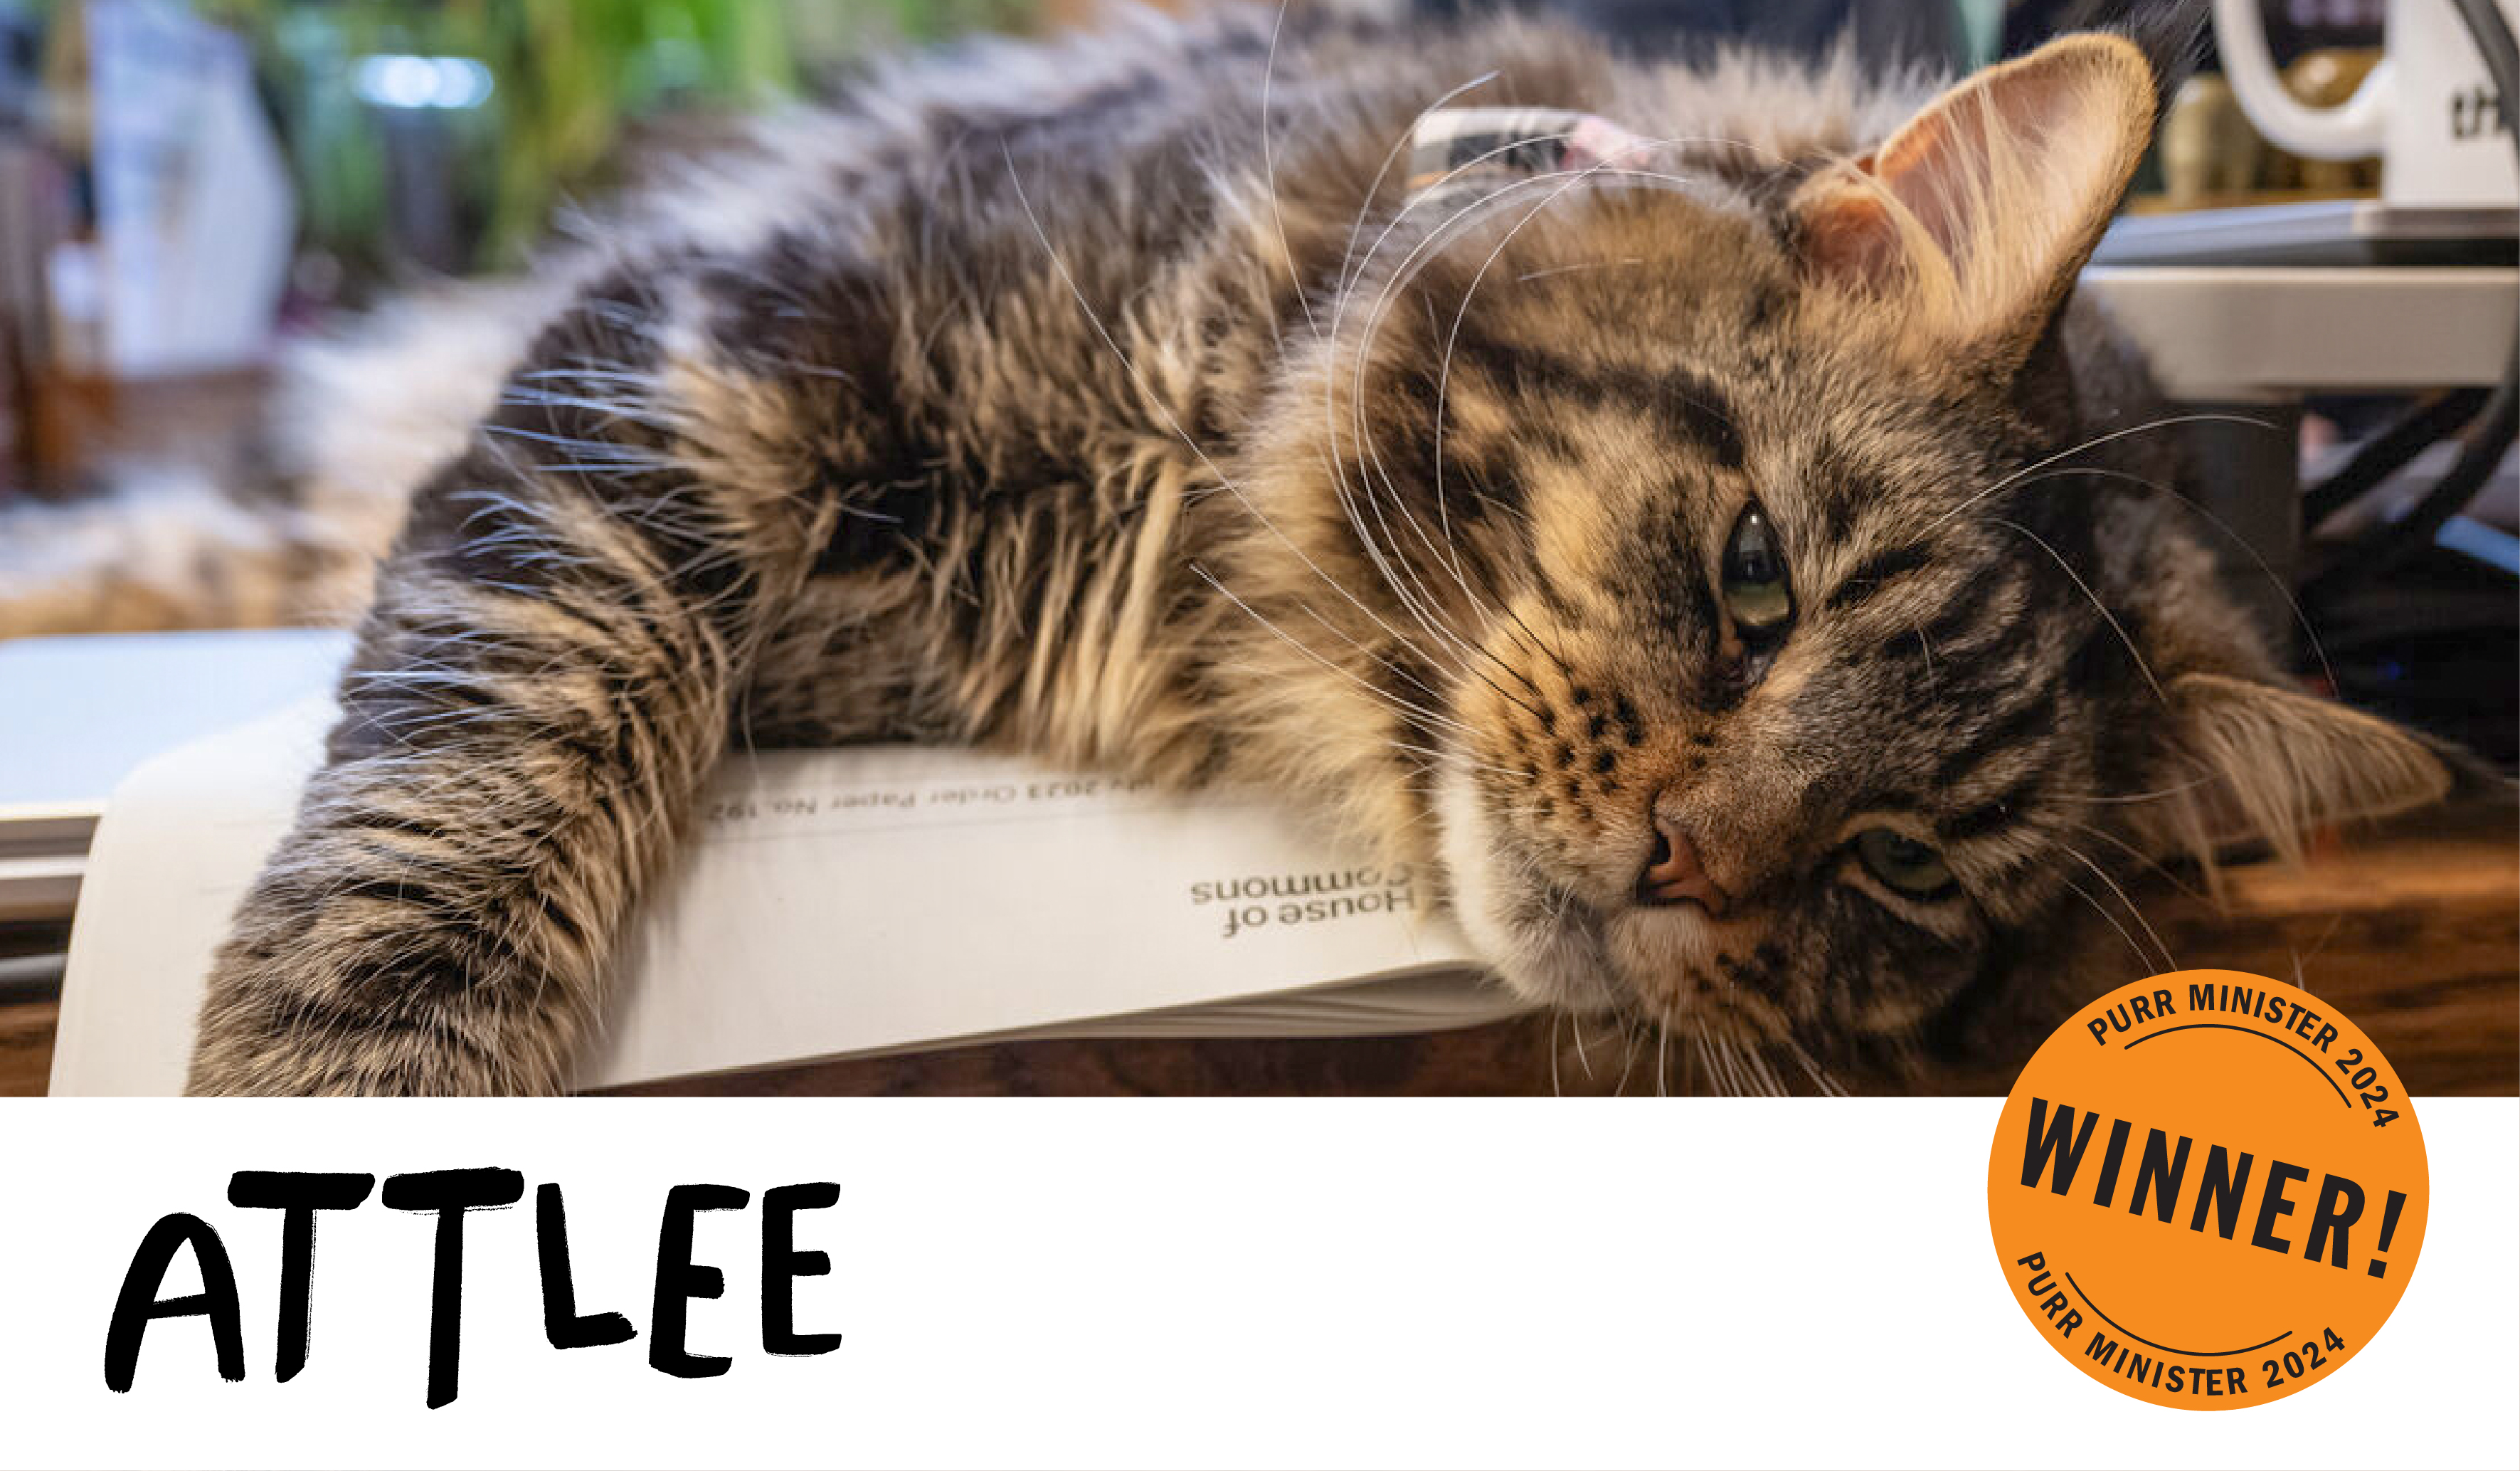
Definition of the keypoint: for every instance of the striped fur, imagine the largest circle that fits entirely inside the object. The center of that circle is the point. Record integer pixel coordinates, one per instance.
(1105, 401)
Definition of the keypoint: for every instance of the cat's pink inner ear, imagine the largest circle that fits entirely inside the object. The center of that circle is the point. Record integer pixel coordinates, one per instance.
(1854, 238)
(1984, 205)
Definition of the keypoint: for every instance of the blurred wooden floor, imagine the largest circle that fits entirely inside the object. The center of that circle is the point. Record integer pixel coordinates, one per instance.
(2415, 933)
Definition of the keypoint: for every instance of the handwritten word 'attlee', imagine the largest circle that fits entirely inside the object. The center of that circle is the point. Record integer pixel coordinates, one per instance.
(448, 1194)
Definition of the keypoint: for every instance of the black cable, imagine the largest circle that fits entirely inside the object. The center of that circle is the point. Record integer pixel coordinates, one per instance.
(2492, 36)
(2388, 452)
(2486, 443)
(2494, 429)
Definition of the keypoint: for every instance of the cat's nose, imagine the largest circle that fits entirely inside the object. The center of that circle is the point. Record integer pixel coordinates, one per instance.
(1673, 875)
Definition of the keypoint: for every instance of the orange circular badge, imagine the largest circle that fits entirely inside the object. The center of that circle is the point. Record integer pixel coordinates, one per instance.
(2208, 1189)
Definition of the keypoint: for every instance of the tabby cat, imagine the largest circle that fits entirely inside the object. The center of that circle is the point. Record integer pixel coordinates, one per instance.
(1733, 563)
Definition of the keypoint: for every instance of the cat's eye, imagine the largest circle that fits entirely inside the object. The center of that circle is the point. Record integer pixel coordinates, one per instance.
(1755, 587)
(1904, 864)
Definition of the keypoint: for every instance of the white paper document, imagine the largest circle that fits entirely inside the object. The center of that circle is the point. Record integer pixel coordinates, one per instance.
(830, 903)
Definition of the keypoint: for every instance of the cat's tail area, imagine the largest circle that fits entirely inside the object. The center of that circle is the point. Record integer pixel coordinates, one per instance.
(168, 547)
(356, 423)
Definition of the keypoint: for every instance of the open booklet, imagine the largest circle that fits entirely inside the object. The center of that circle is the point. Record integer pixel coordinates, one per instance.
(829, 902)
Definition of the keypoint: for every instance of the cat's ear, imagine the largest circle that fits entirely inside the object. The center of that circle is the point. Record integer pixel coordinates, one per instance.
(1972, 219)
(2250, 762)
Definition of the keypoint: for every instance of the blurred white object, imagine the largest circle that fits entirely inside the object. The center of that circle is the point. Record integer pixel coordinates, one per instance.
(445, 82)
(195, 214)
(2427, 110)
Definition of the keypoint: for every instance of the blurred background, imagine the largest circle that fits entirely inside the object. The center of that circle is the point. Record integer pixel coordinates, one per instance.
(184, 184)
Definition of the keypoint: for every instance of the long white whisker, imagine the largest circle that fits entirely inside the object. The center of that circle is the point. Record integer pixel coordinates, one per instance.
(2169, 493)
(2171, 962)
(2123, 637)
(1820, 1076)
(1373, 188)
(2142, 858)
(1269, 167)
(1584, 265)
(2140, 956)
(2094, 442)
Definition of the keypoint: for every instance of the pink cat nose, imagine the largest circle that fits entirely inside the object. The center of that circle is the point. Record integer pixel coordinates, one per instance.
(1673, 875)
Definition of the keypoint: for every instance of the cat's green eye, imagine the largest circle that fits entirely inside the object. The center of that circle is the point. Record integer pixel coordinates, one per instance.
(1903, 863)
(1755, 587)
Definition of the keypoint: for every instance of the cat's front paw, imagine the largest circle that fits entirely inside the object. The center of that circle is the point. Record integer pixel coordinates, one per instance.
(406, 1013)
(239, 1055)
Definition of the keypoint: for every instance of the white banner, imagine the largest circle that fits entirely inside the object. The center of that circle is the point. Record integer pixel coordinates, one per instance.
(1177, 1283)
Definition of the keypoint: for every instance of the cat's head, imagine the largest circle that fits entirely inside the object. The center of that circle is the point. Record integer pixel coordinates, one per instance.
(1785, 659)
